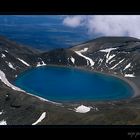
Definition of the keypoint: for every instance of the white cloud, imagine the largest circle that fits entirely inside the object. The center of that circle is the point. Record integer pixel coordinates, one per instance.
(73, 21)
(107, 25)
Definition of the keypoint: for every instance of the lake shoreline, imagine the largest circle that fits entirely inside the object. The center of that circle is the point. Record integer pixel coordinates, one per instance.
(128, 81)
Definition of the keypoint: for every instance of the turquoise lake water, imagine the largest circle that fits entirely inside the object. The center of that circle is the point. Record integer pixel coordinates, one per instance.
(68, 84)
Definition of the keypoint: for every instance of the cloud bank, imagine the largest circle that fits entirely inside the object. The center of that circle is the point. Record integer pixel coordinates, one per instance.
(107, 25)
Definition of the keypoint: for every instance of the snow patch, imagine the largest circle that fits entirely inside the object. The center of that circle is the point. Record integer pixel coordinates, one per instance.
(25, 63)
(3, 55)
(39, 64)
(43, 115)
(129, 75)
(96, 109)
(82, 109)
(7, 95)
(3, 122)
(72, 60)
(10, 65)
(1, 112)
(100, 60)
(84, 50)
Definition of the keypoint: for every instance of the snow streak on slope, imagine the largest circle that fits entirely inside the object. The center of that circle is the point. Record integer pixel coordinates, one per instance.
(3, 56)
(1, 112)
(117, 64)
(89, 60)
(10, 65)
(25, 63)
(43, 115)
(72, 60)
(108, 53)
(127, 66)
(5, 81)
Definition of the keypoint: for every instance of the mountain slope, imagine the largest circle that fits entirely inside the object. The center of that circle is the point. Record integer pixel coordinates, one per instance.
(113, 55)
(107, 54)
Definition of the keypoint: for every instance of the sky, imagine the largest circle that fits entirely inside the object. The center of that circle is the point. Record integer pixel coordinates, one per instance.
(48, 32)
(43, 32)
(106, 25)
(100, 25)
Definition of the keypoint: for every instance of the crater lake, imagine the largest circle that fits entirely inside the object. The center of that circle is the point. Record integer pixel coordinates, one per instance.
(70, 84)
